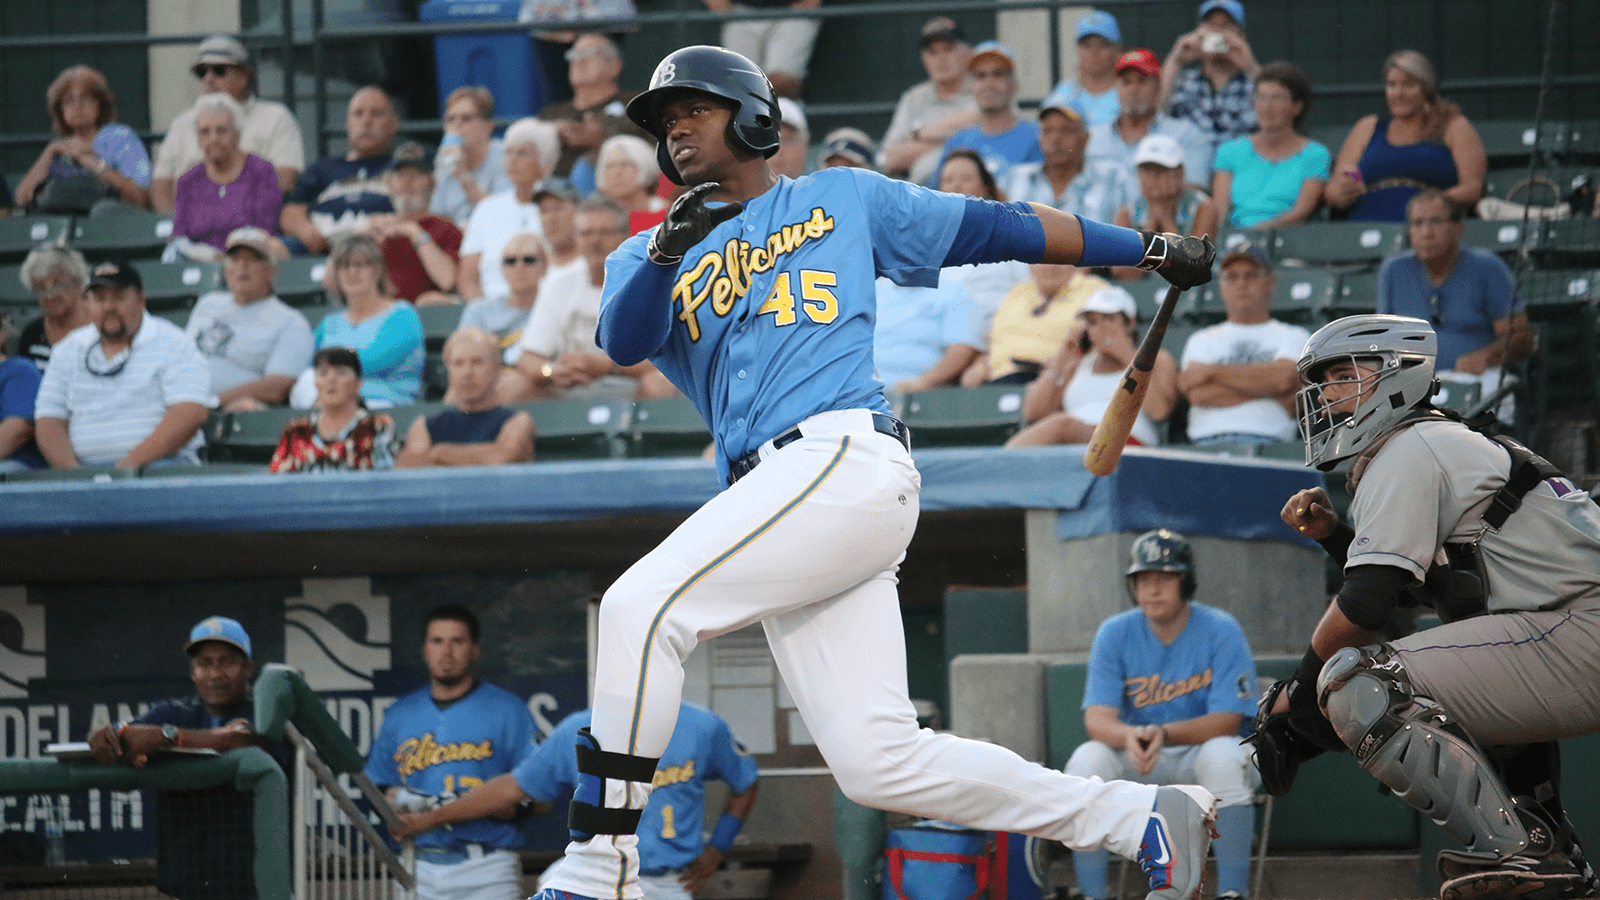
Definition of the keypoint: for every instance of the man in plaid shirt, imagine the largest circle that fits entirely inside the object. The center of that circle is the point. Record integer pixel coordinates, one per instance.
(1218, 95)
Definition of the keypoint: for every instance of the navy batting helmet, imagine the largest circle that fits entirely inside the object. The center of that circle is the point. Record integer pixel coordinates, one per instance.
(754, 126)
(1162, 551)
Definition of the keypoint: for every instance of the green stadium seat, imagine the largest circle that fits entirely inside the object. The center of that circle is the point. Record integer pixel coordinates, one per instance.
(217, 468)
(439, 322)
(579, 429)
(1338, 242)
(1147, 293)
(964, 417)
(1303, 295)
(1554, 293)
(1199, 306)
(670, 427)
(247, 437)
(1460, 396)
(1514, 139)
(405, 415)
(176, 285)
(315, 312)
(129, 235)
(178, 317)
(1358, 293)
(20, 234)
(435, 380)
(80, 474)
(1571, 243)
(12, 291)
(1230, 238)
(1503, 237)
(299, 281)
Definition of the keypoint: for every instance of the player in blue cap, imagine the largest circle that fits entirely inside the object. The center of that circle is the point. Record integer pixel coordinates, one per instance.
(755, 297)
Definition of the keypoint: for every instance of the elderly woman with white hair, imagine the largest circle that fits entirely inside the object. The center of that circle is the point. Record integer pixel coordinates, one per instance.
(626, 171)
(1424, 142)
(229, 189)
(56, 276)
(532, 148)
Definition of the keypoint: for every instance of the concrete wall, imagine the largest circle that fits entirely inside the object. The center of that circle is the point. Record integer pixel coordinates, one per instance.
(172, 87)
(999, 698)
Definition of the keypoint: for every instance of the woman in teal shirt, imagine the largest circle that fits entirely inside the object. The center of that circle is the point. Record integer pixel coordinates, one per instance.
(1274, 177)
(386, 333)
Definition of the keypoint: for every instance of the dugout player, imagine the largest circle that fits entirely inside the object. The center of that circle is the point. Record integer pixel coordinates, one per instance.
(205, 846)
(1507, 550)
(444, 740)
(755, 298)
(675, 858)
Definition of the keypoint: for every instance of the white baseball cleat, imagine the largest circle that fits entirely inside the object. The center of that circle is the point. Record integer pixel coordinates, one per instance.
(1176, 838)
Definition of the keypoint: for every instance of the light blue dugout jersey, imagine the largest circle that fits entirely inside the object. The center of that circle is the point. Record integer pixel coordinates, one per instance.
(702, 748)
(1206, 669)
(444, 752)
(773, 311)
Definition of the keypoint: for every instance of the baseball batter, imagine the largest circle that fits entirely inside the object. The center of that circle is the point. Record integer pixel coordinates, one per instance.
(444, 740)
(755, 297)
(1508, 551)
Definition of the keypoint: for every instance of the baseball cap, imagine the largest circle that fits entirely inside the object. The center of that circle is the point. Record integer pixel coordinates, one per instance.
(793, 115)
(218, 628)
(413, 154)
(851, 143)
(1140, 60)
(114, 273)
(1251, 251)
(941, 28)
(221, 48)
(1233, 8)
(1099, 22)
(993, 48)
(1064, 104)
(1110, 300)
(250, 236)
(555, 187)
(1161, 149)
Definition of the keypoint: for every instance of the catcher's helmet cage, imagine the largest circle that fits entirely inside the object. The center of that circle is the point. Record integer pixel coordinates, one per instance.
(1162, 550)
(1399, 350)
(754, 126)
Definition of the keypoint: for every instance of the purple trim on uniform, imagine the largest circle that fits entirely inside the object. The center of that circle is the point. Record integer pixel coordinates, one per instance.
(1561, 486)
(992, 232)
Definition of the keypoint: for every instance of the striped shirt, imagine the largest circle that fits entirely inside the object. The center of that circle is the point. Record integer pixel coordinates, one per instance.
(108, 415)
(1098, 191)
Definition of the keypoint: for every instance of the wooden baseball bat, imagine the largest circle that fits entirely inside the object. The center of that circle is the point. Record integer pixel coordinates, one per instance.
(1111, 435)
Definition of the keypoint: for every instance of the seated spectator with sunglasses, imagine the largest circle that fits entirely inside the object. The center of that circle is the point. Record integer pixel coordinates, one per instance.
(129, 392)
(1468, 294)
(267, 129)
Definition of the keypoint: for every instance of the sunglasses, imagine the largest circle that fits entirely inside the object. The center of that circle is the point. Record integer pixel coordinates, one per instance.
(220, 70)
(525, 260)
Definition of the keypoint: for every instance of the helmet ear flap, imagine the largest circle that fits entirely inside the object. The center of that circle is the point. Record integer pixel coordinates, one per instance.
(664, 160)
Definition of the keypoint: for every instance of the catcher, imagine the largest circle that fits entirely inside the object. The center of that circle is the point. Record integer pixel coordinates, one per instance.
(1507, 551)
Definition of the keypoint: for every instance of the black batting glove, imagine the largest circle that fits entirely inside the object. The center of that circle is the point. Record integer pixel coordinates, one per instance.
(688, 221)
(1185, 262)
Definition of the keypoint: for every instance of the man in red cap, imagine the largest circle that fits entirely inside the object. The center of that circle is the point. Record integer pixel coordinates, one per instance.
(1138, 91)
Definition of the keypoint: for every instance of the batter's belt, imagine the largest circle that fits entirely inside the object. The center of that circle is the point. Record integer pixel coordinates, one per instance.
(881, 423)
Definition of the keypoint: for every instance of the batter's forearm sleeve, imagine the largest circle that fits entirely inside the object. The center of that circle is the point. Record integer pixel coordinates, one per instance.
(991, 232)
(1369, 594)
(635, 323)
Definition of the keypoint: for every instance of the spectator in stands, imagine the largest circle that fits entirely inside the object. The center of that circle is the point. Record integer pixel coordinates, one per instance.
(1170, 685)
(6, 200)
(57, 276)
(19, 385)
(1065, 179)
(1468, 293)
(595, 112)
(847, 147)
(337, 193)
(930, 111)
(1034, 319)
(384, 331)
(627, 173)
(532, 147)
(781, 47)
(266, 129)
(340, 433)
(129, 392)
(255, 343)
(794, 140)
(1066, 401)
(475, 431)
(1276, 176)
(1166, 202)
(471, 162)
(97, 164)
(228, 190)
(524, 265)
(558, 211)
(1001, 137)
(1094, 92)
(1425, 141)
(986, 283)
(421, 249)
(205, 836)
(923, 337)
(553, 40)
(1138, 85)
(1208, 77)
(557, 355)
(1239, 375)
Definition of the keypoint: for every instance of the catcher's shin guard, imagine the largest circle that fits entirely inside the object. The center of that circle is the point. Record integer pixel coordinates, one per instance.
(588, 815)
(1418, 751)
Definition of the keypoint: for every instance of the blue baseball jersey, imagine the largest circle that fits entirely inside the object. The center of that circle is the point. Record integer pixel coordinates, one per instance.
(670, 831)
(442, 752)
(1206, 669)
(774, 309)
